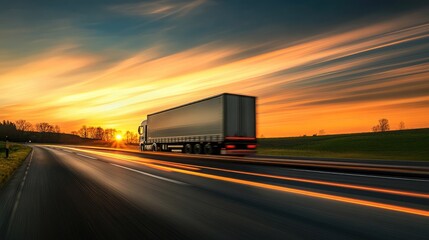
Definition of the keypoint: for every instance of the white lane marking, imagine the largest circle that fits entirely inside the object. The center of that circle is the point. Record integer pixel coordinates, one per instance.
(150, 175)
(360, 175)
(303, 170)
(65, 150)
(83, 155)
(18, 196)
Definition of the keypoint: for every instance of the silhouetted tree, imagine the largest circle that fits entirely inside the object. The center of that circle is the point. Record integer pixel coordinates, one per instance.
(109, 134)
(91, 132)
(8, 128)
(99, 132)
(322, 132)
(23, 125)
(383, 125)
(45, 132)
(44, 127)
(131, 137)
(57, 129)
(128, 137)
(401, 125)
(135, 138)
(83, 132)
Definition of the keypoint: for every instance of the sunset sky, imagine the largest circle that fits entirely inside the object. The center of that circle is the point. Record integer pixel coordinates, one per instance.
(333, 65)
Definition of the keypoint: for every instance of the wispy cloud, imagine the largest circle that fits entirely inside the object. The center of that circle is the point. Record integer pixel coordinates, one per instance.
(158, 9)
(339, 81)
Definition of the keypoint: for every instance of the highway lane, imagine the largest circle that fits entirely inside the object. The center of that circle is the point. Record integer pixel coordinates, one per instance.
(71, 193)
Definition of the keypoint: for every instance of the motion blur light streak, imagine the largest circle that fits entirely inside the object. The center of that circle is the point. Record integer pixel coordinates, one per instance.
(390, 191)
(308, 193)
(145, 161)
(153, 164)
(331, 164)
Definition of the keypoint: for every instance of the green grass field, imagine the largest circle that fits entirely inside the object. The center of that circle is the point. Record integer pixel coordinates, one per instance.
(17, 155)
(395, 145)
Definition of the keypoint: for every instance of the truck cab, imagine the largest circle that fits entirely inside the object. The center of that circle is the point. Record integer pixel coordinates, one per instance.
(143, 135)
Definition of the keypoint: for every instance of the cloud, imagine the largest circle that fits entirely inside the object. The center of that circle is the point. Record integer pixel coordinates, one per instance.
(338, 81)
(158, 9)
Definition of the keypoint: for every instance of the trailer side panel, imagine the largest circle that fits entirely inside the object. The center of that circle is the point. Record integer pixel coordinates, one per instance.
(201, 120)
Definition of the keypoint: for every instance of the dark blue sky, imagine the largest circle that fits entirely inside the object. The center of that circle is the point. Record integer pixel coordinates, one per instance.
(232, 22)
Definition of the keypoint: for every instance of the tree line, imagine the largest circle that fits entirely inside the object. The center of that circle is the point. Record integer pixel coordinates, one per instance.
(24, 131)
(108, 134)
(384, 125)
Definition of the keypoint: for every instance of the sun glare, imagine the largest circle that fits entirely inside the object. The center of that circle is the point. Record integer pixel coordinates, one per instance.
(118, 137)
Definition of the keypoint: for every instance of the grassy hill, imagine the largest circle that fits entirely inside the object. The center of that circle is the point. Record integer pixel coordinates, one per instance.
(395, 145)
(18, 153)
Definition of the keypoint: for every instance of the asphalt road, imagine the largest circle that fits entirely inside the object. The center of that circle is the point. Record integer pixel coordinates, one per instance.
(70, 193)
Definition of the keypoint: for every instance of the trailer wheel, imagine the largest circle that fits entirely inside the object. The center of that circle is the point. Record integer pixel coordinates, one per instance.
(188, 148)
(208, 149)
(154, 147)
(197, 148)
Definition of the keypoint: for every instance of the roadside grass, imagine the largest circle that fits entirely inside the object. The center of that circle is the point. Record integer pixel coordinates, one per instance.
(393, 145)
(17, 155)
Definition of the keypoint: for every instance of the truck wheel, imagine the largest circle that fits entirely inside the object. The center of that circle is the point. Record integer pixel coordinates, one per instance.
(197, 148)
(142, 148)
(208, 149)
(154, 147)
(188, 148)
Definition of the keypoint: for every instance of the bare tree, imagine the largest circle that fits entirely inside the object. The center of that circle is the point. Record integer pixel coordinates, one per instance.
(401, 125)
(44, 127)
(131, 137)
(92, 132)
(109, 134)
(57, 129)
(322, 132)
(383, 126)
(99, 132)
(83, 131)
(135, 138)
(23, 125)
(128, 137)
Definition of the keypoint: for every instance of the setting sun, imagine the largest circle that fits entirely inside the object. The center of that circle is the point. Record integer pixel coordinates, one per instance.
(118, 137)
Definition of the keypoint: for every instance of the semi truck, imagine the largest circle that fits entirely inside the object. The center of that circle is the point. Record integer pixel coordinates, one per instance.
(222, 124)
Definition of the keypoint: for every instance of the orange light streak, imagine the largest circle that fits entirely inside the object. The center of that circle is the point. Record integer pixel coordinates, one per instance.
(343, 185)
(290, 190)
(147, 162)
(309, 193)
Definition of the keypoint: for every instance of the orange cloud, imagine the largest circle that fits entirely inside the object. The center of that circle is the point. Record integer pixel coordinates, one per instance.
(340, 82)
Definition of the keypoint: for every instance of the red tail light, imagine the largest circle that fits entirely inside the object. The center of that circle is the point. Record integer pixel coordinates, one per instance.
(230, 146)
(251, 146)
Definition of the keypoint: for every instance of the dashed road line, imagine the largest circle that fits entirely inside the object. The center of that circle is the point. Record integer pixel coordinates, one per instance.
(150, 175)
(83, 155)
(18, 196)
